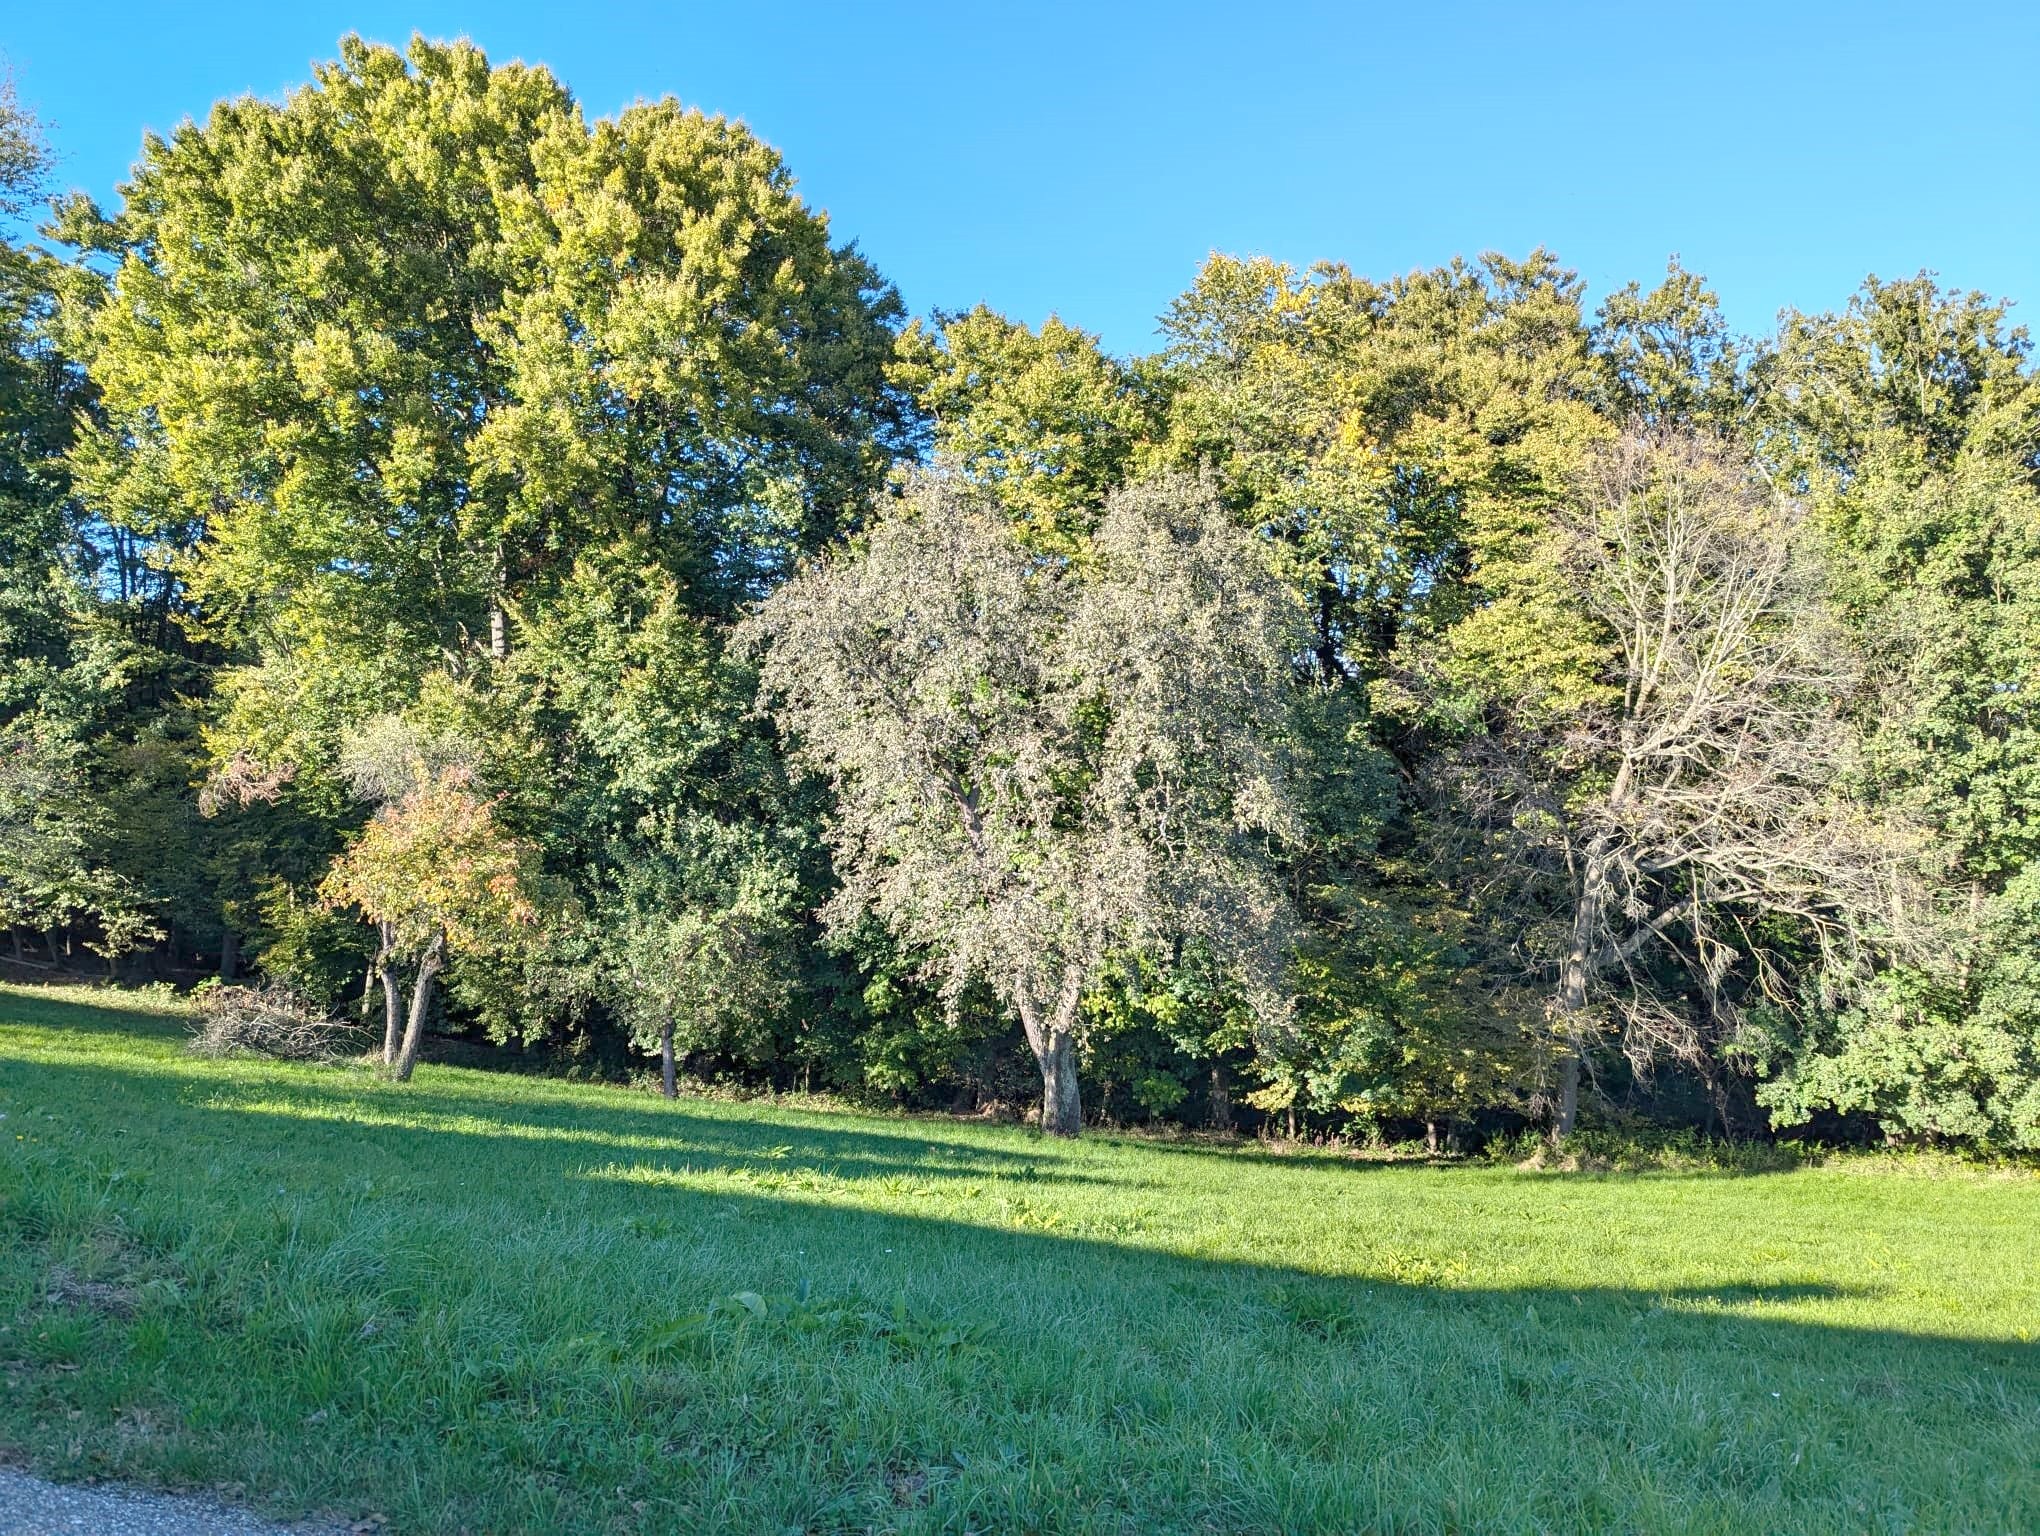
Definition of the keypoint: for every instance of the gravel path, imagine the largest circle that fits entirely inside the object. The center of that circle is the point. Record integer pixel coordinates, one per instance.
(31, 1507)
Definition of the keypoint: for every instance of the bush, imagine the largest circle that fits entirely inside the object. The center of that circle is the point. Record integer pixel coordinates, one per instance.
(271, 1021)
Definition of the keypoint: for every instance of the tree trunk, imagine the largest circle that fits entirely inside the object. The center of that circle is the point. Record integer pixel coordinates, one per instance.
(668, 1083)
(1431, 1137)
(379, 970)
(230, 954)
(421, 1003)
(1062, 1112)
(1221, 1099)
(1571, 1002)
(1568, 1096)
(499, 623)
(393, 1009)
(15, 934)
(1054, 1042)
(1717, 1091)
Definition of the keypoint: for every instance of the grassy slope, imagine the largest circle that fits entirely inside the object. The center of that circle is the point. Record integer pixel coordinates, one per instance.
(467, 1302)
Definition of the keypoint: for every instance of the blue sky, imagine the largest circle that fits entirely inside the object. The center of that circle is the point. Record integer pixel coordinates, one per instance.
(1085, 158)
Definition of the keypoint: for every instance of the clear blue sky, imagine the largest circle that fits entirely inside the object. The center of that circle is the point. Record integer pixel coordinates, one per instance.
(1085, 158)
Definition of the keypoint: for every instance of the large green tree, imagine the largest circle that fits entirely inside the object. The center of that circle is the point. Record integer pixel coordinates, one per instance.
(390, 366)
(77, 674)
(1398, 446)
(1045, 421)
(380, 359)
(1912, 420)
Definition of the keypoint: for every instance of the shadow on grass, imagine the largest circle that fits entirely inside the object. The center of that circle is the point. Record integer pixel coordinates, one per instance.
(520, 1100)
(1621, 1156)
(355, 1103)
(91, 1008)
(334, 1115)
(469, 1211)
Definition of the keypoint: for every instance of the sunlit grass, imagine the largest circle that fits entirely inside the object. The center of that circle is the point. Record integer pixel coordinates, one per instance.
(518, 1304)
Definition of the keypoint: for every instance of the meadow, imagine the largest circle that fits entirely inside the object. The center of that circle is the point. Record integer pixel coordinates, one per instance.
(492, 1302)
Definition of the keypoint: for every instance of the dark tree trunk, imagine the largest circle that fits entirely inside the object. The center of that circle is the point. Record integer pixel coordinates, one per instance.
(668, 1080)
(421, 1004)
(1571, 1002)
(1717, 1093)
(1327, 646)
(15, 935)
(230, 954)
(1221, 1099)
(1062, 1111)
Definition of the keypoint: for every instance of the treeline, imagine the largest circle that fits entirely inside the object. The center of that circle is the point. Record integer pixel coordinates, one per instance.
(521, 575)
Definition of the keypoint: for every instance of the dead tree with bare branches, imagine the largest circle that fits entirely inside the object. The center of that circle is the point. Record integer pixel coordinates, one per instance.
(1673, 833)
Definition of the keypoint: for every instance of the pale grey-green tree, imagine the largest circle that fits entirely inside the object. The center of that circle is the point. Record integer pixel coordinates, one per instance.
(1041, 763)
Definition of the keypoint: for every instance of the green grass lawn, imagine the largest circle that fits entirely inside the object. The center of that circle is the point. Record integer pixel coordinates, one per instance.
(512, 1304)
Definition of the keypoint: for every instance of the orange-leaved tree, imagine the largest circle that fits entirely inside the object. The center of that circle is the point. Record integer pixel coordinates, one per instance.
(438, 873)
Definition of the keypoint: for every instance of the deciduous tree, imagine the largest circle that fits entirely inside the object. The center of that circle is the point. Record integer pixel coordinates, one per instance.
(1038, 767)
(438, 876)
(1672, 794)
(692, 941)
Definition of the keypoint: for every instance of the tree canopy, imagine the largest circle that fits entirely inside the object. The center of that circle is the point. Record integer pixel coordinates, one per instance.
(1039, 765)
(531, 565)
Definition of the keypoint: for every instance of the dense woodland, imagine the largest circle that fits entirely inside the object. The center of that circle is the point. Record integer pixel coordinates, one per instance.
(501, 573)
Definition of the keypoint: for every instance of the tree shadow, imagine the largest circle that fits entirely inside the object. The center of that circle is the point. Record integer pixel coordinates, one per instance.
(985, 1363)
(522, 1102)
(1728, 1161)
(122, 1012)
(690, 1137)
(519, 1100)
